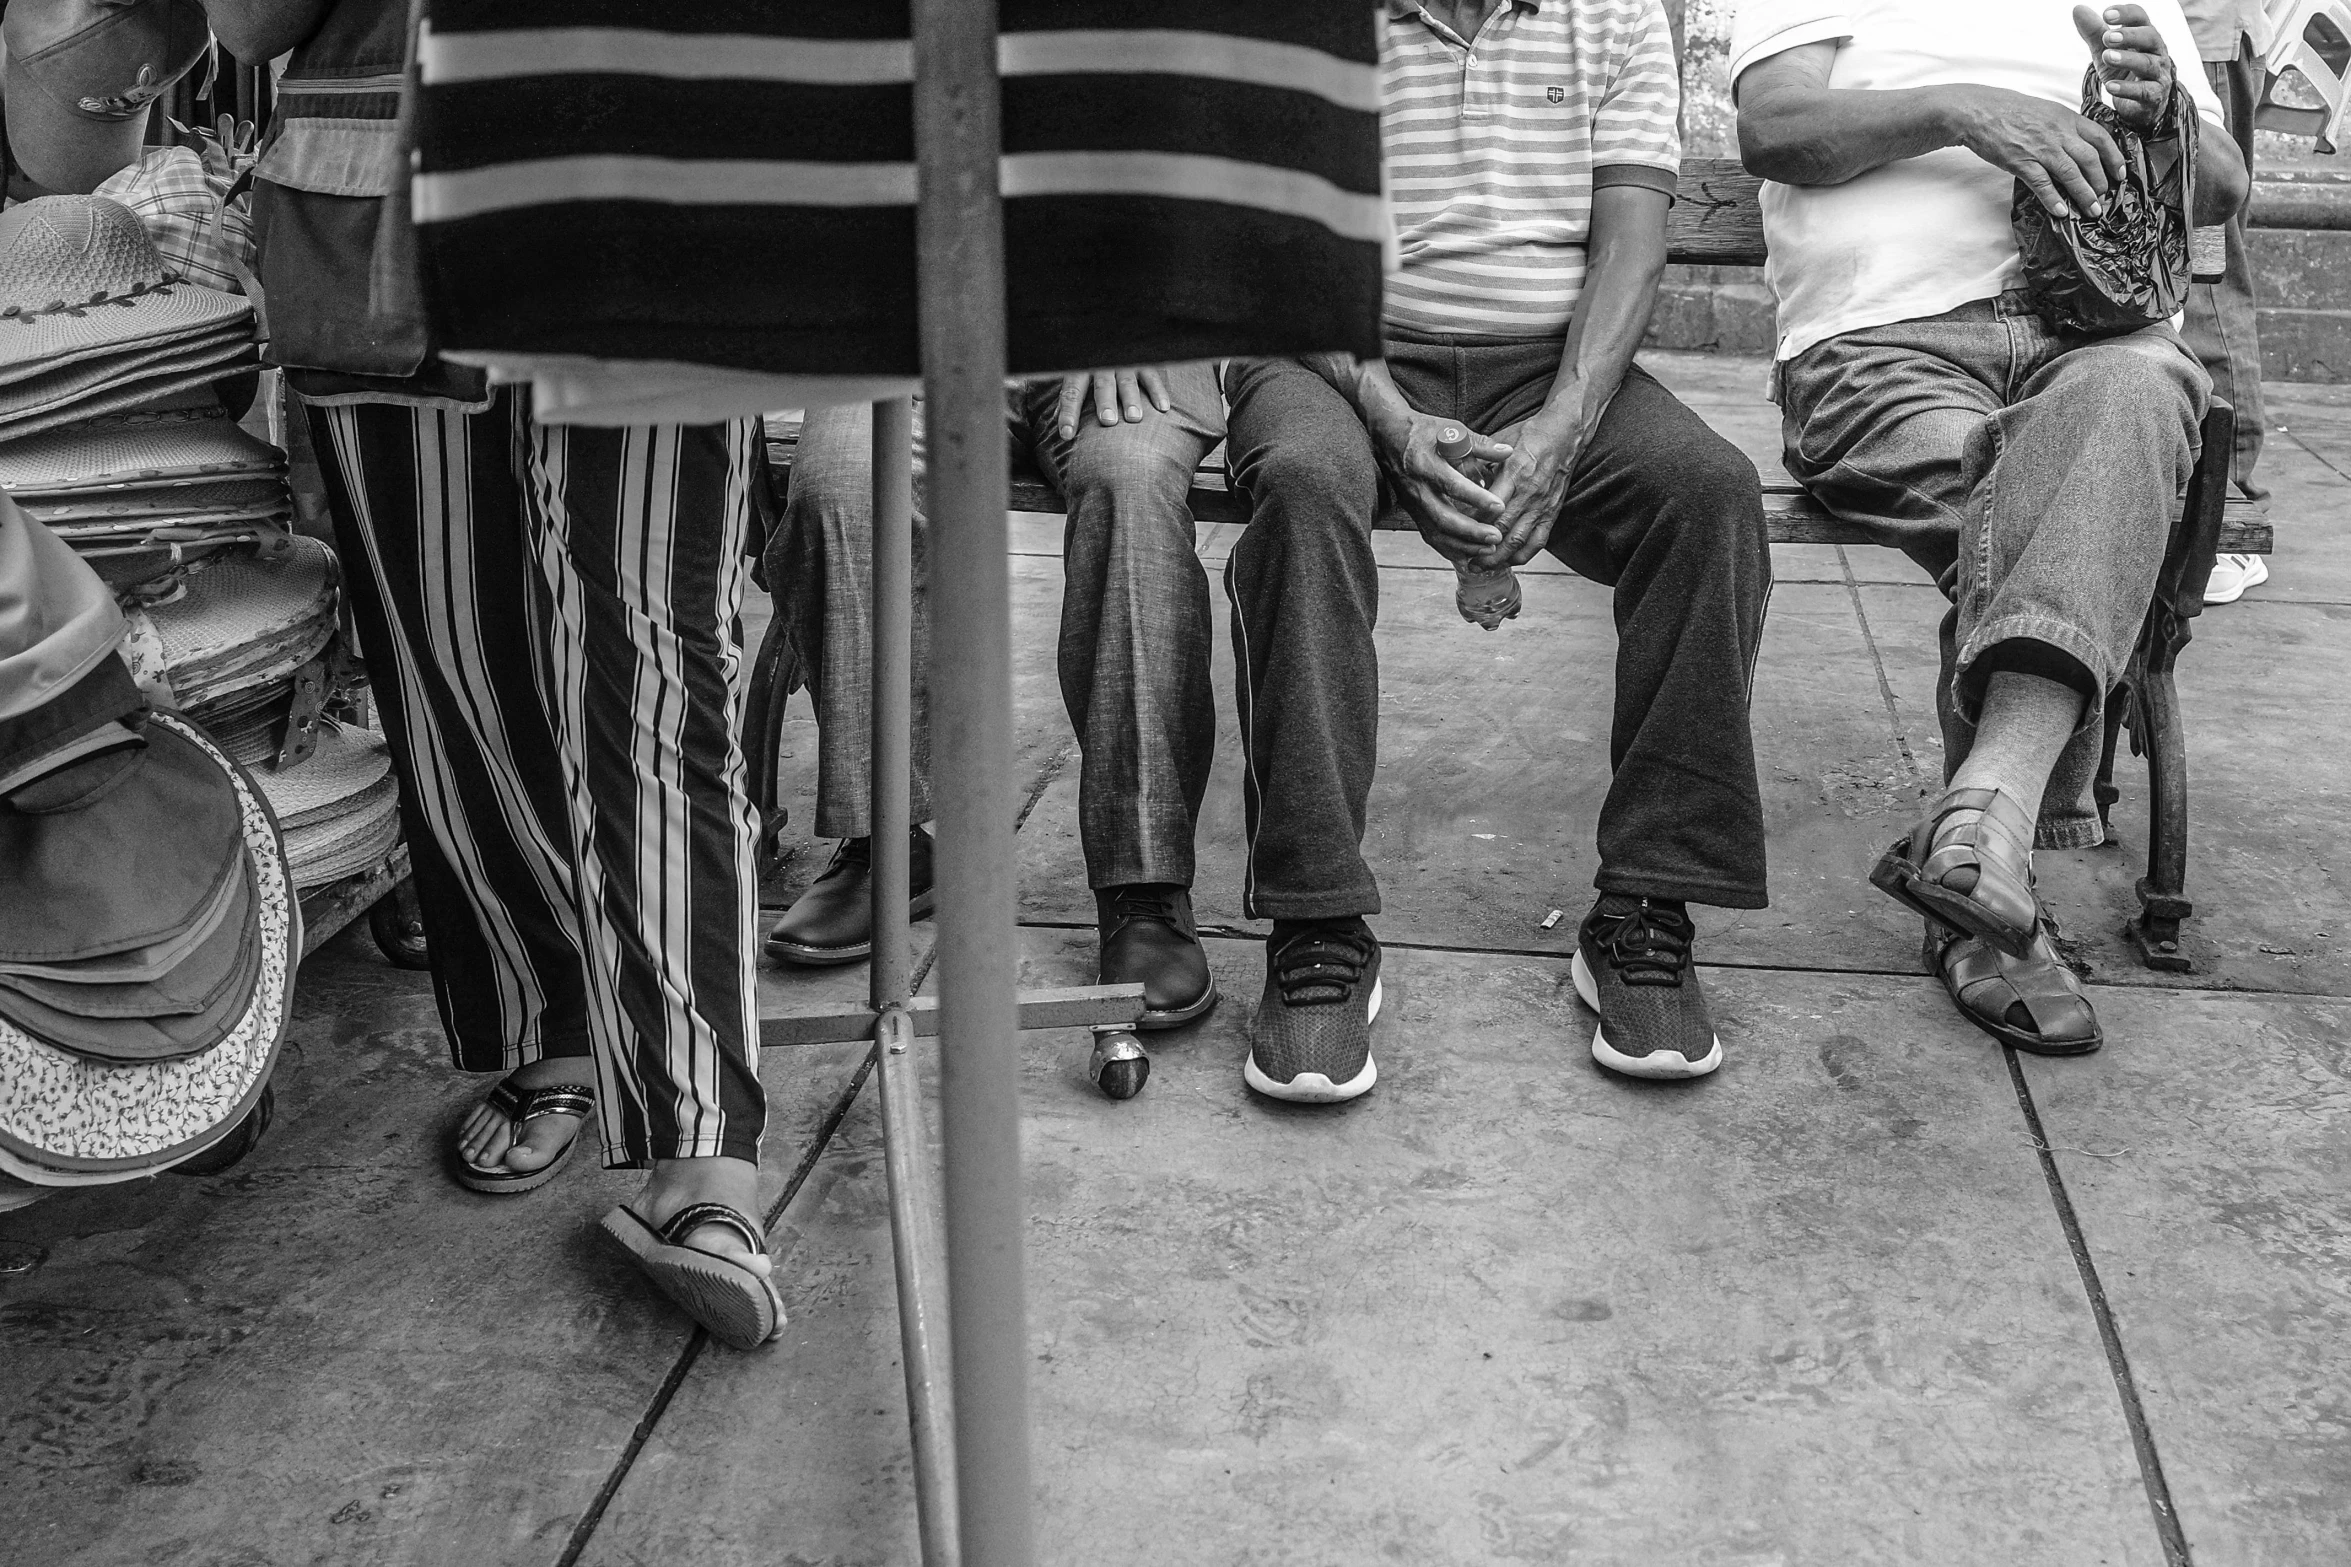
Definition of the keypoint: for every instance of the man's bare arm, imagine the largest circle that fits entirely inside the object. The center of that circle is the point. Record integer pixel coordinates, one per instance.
(258, 30)
(1795, 128)
(1625, 259)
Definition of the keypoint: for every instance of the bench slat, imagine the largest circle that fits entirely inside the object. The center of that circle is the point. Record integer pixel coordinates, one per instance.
(1716, 219)
(1789, 515)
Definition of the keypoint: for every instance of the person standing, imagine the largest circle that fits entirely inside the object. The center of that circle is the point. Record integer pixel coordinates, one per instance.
(548, 615)
(2219, 324)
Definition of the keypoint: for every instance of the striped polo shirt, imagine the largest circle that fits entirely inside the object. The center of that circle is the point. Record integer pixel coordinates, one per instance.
(1495, 143)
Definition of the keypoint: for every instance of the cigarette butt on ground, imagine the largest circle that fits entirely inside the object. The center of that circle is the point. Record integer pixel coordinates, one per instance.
(1552, 918)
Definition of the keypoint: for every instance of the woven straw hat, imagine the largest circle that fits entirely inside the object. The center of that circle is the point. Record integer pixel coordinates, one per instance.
(162, 446)
(66, 1120)
(183, 377)
(242, 623)
(223, 500)
(78, 272)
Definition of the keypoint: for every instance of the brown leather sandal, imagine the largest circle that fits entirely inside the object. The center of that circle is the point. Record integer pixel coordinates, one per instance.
(1976, 882)
(2033, 1003)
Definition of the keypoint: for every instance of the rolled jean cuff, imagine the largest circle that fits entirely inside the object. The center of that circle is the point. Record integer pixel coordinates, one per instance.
(1716, 894)
(2067, 639)
(1315, 905)
(2076, 829)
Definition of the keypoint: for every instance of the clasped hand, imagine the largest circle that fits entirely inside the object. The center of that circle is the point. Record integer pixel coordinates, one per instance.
(1503, 522)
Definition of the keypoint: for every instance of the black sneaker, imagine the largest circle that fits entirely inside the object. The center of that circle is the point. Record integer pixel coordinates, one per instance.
(1148, 934)
(1311, 1039)
(1632, 966)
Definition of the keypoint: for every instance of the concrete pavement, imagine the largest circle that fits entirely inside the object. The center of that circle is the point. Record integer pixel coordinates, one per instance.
(1875, 1293)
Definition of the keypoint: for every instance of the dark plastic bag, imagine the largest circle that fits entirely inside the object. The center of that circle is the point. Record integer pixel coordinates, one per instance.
(2129, 267)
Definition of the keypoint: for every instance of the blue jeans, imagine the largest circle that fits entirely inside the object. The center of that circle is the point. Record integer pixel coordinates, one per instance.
(2035, 474)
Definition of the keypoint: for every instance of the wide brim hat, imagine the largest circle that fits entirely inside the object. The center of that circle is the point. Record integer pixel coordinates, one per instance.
(113, 358)
(152, 567)
(243, 622)
(82, 76)
(158, 447)
(68, 1120)
(219, 500)
(138, 375)
(81, 272)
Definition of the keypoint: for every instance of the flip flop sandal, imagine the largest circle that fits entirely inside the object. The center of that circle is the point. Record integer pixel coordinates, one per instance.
(740, 1308)
(519, 1105)
(1995, 850)
(2033, 1003)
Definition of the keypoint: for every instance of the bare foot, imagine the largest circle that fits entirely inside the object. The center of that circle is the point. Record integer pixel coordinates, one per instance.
(678, 1184)
(486, 1139)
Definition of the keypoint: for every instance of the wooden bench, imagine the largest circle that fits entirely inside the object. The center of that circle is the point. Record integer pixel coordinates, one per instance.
(1717, 221)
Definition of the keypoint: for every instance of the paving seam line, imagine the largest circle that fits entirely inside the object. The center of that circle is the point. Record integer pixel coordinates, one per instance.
(2159, 1500)
(584, 1530)
(1877, 662)
(1214, 932)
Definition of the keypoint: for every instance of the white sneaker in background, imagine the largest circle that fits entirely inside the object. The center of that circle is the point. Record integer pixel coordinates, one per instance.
(2232, 575)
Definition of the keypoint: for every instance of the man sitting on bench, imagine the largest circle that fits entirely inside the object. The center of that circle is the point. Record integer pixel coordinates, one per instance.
(2035, 473)
(1532, 154)
(1135, 638)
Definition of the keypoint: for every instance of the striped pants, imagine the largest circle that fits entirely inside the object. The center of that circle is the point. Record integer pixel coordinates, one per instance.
(549, 617)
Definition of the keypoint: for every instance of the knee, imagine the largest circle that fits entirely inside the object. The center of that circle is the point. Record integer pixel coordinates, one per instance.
(1316, 483)
(1711, 498)
(1128, 471)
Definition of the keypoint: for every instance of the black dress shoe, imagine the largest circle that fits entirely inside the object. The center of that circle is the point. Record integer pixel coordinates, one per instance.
(1148, 935)
(833, 920)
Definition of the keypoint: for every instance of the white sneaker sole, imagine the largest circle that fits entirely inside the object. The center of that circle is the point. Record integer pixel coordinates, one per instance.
(1312, 1088)
(1665, 1064)
(2252, 574)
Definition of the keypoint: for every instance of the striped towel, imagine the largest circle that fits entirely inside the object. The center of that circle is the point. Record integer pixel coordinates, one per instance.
(731, 182)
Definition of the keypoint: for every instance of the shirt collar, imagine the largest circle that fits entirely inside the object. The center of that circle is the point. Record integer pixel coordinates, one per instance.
(1406, 10)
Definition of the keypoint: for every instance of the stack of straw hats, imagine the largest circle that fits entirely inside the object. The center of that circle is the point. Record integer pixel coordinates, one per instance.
(149, 929)
(145, 495)
(92, 322)
(110, 430)
(112, 437)
(249, 652)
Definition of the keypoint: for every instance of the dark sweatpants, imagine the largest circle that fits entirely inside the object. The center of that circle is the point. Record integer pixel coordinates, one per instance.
(1659, 507)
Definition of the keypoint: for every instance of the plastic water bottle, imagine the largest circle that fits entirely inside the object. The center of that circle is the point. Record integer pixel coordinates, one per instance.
(1485, 595)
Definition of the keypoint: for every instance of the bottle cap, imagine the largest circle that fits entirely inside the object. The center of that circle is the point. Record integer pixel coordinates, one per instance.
(1453, 442)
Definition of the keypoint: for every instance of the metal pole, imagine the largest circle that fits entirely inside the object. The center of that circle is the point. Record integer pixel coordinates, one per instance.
(893, 685)
(960, 260)
(914, 1213)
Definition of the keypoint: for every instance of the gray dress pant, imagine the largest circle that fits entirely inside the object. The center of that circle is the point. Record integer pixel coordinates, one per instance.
(1135, 628)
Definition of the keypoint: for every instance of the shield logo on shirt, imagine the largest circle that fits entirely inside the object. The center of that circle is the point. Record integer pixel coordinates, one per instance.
(1556, 94)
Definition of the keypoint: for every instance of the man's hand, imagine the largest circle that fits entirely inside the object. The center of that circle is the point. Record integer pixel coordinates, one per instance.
(2132, 61)
(1531, 484)
(1112, 394)
(2066, 161)
(1453, 513)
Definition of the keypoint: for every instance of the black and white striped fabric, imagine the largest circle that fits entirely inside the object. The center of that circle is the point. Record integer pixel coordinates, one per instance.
(731, 182)
(549, 616)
